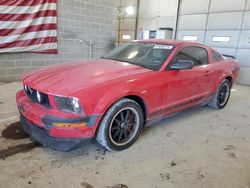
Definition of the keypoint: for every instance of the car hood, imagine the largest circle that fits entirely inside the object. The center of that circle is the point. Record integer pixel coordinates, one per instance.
(65, 79)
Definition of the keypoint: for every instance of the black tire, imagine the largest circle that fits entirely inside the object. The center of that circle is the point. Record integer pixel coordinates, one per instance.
(124, 116)
(221, 97)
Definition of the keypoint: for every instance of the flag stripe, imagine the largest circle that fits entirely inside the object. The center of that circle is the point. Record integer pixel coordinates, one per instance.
(28, 36)
(42, 27)
(23, 43)
(22, 17)
(28, 26)
(41, 48)
(25, 2)
(27, 9)
(27, 23)
(51, 51)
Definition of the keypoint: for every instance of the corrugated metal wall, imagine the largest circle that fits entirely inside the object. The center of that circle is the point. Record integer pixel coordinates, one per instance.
(207, 19)
(158, 13)
(152, 15)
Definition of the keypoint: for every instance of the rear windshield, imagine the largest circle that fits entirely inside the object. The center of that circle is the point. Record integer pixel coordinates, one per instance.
(147, 55)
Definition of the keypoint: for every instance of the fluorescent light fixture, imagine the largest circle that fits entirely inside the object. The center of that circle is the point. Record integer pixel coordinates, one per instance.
(126, 37)
(190, 38)
(130, 10)
(221, 39)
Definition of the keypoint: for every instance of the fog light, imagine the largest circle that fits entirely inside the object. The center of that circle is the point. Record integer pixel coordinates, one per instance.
(38, 96)
(25, 88)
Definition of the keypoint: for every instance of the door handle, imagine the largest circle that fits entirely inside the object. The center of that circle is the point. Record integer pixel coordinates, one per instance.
(207, 72)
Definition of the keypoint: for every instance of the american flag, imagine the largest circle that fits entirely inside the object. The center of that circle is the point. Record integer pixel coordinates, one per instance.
(28, 26)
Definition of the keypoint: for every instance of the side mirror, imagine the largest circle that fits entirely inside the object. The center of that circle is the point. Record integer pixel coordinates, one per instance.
(182, 65)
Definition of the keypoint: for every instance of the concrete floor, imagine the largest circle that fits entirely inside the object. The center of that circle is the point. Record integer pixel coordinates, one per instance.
(199, 147)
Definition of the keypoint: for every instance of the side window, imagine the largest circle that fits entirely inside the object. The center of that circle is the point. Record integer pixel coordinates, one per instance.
(216, 56)
(196, 54)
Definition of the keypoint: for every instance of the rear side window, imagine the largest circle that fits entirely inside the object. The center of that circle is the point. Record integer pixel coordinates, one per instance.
(216, 56)
(192, 53)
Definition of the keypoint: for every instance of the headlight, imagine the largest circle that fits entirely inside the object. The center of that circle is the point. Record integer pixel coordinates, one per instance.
(68, 104)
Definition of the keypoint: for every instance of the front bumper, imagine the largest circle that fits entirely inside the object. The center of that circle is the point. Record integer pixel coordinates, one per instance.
(41, 135)
(53, 128)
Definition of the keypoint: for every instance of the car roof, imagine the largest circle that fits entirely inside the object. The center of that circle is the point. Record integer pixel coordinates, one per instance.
(168, 42)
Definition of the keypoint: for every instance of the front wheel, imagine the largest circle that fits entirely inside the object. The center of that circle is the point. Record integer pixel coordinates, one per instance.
(121, 125)
(222, 95)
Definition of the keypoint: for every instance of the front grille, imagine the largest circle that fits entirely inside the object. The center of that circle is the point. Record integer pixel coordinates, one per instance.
(33, 96)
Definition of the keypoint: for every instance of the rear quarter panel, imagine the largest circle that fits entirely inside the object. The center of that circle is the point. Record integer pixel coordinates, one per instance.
(225, 68)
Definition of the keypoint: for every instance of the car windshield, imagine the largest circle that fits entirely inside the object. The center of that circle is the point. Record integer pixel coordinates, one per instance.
(147, 55)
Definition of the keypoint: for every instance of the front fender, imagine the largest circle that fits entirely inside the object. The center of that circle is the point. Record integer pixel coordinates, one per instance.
(111, 97)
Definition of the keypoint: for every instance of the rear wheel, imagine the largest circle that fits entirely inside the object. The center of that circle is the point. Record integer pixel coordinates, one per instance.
(222, 95)
(121, 125)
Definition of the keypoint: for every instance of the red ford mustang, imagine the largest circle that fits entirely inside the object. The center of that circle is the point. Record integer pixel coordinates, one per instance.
(112, 98)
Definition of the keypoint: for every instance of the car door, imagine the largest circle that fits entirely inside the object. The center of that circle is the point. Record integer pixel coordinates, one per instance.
(185, 85)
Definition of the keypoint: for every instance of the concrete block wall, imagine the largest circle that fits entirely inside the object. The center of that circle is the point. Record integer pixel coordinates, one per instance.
(76, 20)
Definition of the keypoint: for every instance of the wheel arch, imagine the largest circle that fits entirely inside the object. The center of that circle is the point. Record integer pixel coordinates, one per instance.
(223, 76)
(230, 79)
(138, 99)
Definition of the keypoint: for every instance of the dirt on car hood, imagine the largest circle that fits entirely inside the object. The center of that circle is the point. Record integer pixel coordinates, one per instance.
(67, 78)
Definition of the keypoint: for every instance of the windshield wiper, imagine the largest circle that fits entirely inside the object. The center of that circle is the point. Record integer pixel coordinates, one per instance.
(119, 60)
(112, 59)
